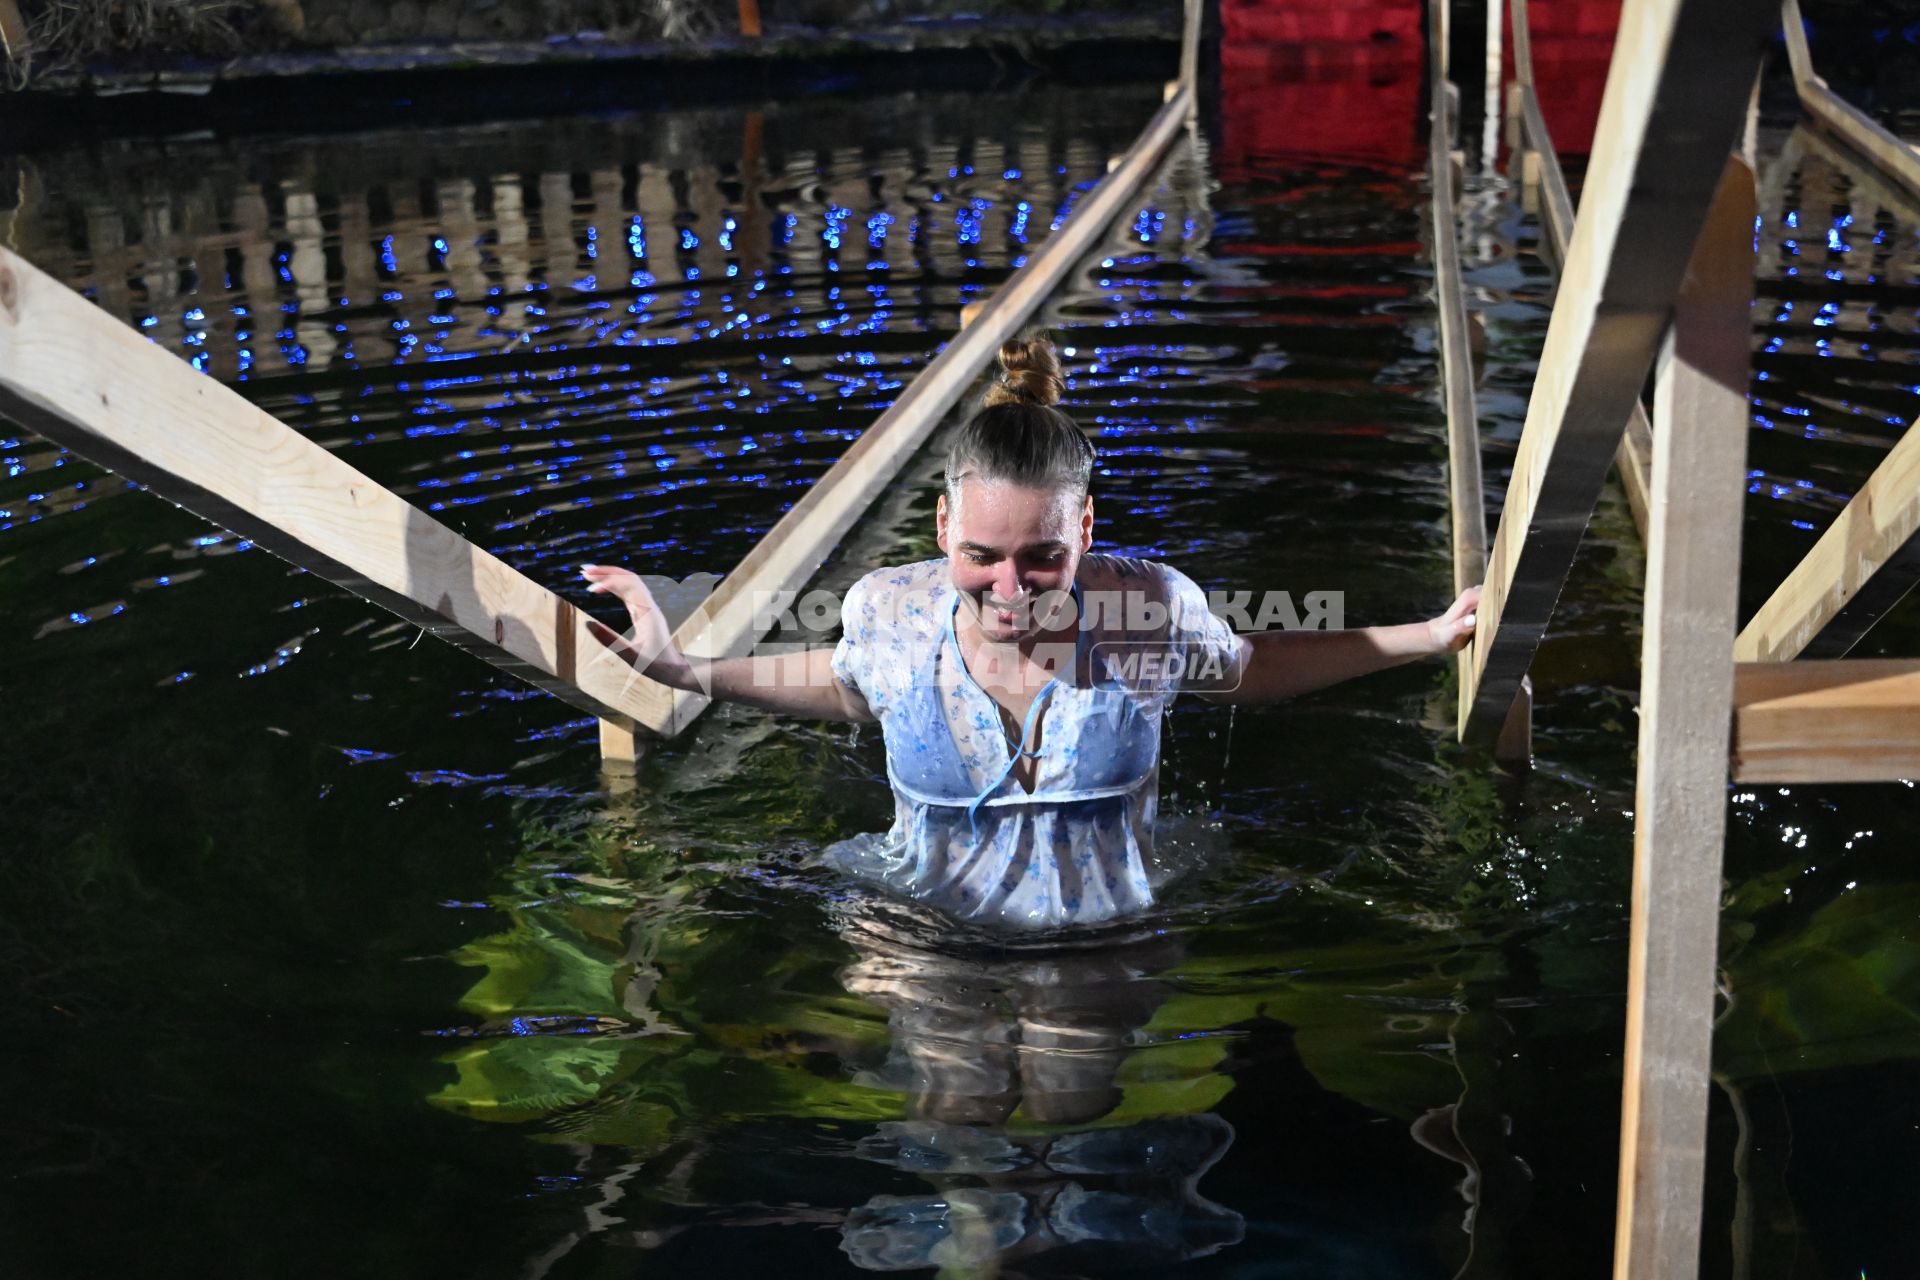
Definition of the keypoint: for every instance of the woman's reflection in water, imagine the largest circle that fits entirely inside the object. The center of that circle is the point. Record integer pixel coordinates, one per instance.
(977, 1038)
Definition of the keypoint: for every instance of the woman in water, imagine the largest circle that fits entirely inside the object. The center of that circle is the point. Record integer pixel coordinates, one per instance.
(1019, 681)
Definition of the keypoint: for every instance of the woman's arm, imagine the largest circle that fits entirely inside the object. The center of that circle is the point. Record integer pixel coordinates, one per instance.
(801, 684)
(1282, 664)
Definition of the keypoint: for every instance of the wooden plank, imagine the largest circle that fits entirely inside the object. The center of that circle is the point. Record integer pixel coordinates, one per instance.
(1837, 721)
(1466, 489)
(1191, 29)
(728, 623)
(75, 376)
(1675, 101)
(1467, 502)
(1898, 159)
(1861, 566)
(1633, 459)
(1693, 571)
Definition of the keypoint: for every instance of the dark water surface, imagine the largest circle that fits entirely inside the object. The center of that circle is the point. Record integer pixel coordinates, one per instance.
(333, 952)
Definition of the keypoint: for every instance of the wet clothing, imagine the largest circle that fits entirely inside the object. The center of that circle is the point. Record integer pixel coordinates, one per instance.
(967, 837)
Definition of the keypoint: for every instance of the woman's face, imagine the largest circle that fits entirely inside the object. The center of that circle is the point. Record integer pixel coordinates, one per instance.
(1008, 546)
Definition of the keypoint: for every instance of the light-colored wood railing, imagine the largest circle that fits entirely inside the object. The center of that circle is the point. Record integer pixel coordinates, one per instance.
(1864, 564)
(1540, 165)
(728, 623)
(96, 386)
(1899, 159)
(1466, 489)
(1675, 101)
(1868, 559)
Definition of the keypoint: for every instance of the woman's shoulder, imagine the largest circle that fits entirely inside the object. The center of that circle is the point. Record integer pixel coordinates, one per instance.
(893, 596)
(902, 579)
(1153, 579)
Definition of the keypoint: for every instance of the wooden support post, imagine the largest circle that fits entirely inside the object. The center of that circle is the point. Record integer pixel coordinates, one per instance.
(1491, 98)
(98, 387)
(1693, 571)
(1676, 97)
(1865, 563)
(620, 749)
(1811, 721)
(1190, 30)
(1897, 158)
(750, 19)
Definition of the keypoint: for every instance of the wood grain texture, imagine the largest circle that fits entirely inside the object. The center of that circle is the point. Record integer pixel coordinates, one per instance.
(94, 385)
(1466, 488)
(1693, 570)
(1876, 529)
(1633, 459)
(1675, 103)
(1856, 720)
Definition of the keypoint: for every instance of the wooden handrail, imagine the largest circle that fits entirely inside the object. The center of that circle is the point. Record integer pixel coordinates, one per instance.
(1466, 488)
(1865, 562)
(1633, 460)
(1899, 159)
(1676, 98)
(96, 386)
(728, 624)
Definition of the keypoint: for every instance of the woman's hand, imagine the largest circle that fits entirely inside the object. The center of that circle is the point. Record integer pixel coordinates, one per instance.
(650, 650)
(1452, 629)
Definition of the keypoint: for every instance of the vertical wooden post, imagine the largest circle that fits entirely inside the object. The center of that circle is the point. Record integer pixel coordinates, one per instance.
(1693, 563)
(750, 19)
(1190, 47)
(1491, 97)
(620, 749)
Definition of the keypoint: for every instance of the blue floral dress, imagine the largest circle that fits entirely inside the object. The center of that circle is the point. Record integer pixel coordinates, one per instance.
(967, 837)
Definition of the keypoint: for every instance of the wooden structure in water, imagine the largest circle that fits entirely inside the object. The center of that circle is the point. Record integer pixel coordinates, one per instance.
(99, 388)
(1656, 275)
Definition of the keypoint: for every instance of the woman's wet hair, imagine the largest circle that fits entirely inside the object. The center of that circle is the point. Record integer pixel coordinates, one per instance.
(1018, 436)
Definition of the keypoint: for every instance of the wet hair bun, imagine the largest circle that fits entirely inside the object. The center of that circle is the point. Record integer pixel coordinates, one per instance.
(1029, 374)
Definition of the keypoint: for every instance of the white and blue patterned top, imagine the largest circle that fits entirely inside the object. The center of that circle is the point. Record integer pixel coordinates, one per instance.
(967, 837)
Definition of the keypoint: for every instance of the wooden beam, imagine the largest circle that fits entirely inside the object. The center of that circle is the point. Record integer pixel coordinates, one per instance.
(1895, 157)
(1190, 33)
(1675, 102)
(1693, 572)
(1839, 721)
(1466, 489)
(1863, 565)
(1633, 459)
(83, 380)
(729, 622)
